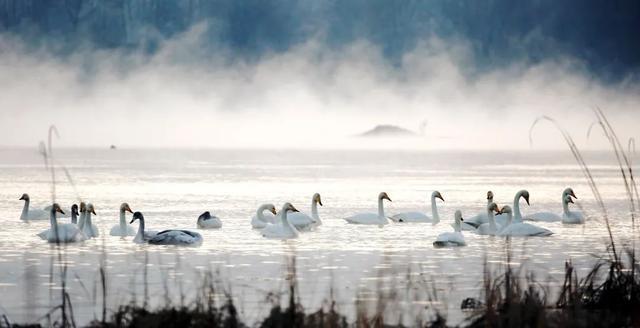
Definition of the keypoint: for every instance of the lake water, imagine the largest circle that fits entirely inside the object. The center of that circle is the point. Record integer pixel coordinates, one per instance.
(172, 187)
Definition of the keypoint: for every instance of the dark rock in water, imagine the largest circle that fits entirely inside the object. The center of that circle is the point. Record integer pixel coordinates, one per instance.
(386, 130)
(470, 304)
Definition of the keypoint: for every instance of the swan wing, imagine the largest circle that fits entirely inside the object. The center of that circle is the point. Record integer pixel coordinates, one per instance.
(278, 231)
(366, 218)
(447, 239)
(176, 237)
(573, 217)
(213, 223)
(543, 217)
(525, 229)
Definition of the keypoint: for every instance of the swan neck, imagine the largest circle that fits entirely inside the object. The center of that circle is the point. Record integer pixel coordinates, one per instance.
(516, 207)
(283, 218)
(380, 208)
(52, 219)
(565, 207)
(25, 211)
(260, 215)
(314, 209)
(82, 219)
(74, 217)
(457, 226)
(123, 222)
(492, 220)
(87, 220)
(140, 234)
(434, 210)
(509, 218)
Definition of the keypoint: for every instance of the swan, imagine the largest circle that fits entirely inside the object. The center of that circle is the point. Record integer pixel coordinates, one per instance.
(83, 215)
(61, 232)
(208, 221)
(455, 238)
(570, 217)
(491, 227)
(550, 216)
(166, 237)
(371, 218)
(475, 221)
(33, 214)
(89, 229)
(284, 229)
(517, 215)
(259, 221)
(421, 217)
(302, 221)
(520, 228)
(74, 214)
(122, 229)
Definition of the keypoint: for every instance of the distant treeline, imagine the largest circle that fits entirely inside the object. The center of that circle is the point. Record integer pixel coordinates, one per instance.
(602, 34)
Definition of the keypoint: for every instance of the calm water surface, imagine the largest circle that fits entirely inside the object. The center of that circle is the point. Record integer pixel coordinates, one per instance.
(172, 187)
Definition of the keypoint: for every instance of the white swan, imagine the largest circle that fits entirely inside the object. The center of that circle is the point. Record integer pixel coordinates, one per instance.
(63, 232)
(122, 229)
(517, 215)
(371, 218)
(570, 217)
(455, 238)
(166, 237)
(260, 220)
(520, 228)
(284, 229)
(89, 229)
(208, 221)
(475, 221)
(491, 227)
(33, 214)
(550, 216)
(303, 221)
(419, 216)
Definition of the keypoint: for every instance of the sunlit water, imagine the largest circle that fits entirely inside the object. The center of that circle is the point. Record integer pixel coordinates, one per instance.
(172, 187)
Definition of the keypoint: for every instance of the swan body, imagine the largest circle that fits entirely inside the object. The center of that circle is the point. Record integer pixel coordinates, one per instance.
(371, 218)
(208, 221)
(61, 232)
(32, 214)
(89, 229)
(260, 220)
(166, 237)
(550, 216)
(122, 229)
(491, 227)
(521, 228)
(452, 239)
(284, 229)
(421, 217)
(303, 221)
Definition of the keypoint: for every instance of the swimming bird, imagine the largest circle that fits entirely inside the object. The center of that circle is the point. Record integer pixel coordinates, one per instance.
(284, 229)
(371, 218)
(208, 221)
(61, 232)
(260, 220)
(419, 216)
(550, 216)
(475, 221)
(166, 237)
(303, 221)
(455, 238)
(491, 227)
(31, 214)
(570, 217)
(520, 228)
(517, 217)
(89, 229)
(122, 229)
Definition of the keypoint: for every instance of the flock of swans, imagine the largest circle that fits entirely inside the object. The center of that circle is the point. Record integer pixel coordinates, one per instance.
(289, 222)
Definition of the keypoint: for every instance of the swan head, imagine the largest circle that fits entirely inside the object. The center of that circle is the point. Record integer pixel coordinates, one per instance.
(91, 209)
(436, 194)
(506, 209)
(287, 207)
(458, 216)
(137, 216)
(569, 192)
(125, 207)
(269, 207)
(383, 195)
(55, 208)
(524, 194)
(204, 216)
(24, 197)
(568, 199)
(490, 195)
(83, 207)
(317, 199)
(493, 207)
(74, 209)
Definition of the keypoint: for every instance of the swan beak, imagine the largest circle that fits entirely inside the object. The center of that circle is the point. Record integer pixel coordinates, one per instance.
(128, 209)
(527, 200)
(440, 196)
(293, 209)
(387, 198)
(571, 200)
(132, 220)
(273, 210)
(93, 212)
(22, 198)
(461, 219)
(320, 201)
(59, 210)
(573, 194)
